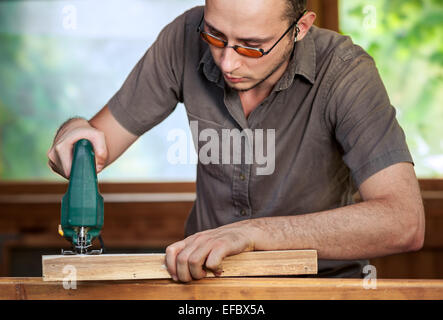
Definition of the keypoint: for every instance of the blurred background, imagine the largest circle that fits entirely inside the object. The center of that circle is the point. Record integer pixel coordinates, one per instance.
(60, 59)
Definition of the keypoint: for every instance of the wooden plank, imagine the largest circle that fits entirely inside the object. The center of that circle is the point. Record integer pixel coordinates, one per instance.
(152, 266)
(107, 197)
(45, 187)
(277, 288)
(42, 187)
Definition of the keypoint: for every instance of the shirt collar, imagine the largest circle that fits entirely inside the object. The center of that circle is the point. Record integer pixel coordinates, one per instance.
(302, 63)
(305, 56)
(210, 69)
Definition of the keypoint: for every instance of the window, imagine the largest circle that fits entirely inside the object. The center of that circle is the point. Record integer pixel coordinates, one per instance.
(60, 59)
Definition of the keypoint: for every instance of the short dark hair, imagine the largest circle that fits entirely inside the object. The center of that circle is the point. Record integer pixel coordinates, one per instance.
(294, 9)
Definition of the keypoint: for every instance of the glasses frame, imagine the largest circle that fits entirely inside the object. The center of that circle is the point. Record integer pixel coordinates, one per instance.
(236, 46)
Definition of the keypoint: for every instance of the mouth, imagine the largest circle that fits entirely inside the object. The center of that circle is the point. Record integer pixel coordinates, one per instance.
(233, 79)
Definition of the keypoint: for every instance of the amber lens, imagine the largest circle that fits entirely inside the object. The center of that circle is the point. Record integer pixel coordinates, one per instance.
(252, 53)
(211, 40)
(249, 52)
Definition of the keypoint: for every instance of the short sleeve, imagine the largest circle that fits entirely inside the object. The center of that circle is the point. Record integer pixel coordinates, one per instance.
(364, 121)
(154, 86)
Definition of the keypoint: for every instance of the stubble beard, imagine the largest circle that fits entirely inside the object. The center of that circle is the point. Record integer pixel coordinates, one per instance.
(284, 59)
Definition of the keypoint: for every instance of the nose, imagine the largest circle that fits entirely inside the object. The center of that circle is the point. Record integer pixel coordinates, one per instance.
(230, 60)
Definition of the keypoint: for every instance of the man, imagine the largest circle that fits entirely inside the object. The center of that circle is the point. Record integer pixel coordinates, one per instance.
(261, 64)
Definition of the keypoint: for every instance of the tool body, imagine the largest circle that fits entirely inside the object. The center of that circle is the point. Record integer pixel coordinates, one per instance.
(82, 212)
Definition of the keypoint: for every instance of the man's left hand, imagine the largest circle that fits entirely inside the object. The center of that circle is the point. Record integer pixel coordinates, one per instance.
(188, 259)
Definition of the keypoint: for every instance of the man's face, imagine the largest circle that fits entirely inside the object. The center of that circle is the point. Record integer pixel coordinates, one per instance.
(251, 23)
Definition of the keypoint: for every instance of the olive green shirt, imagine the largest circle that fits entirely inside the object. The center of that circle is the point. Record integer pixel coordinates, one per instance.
(334, 126)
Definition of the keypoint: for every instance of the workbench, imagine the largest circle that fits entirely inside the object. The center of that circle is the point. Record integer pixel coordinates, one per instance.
(273, 288)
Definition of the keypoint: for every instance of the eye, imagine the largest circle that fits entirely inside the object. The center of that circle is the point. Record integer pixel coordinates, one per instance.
(215, 33)
(252, 45)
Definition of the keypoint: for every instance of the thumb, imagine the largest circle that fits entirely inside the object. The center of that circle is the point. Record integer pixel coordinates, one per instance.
(214, 261)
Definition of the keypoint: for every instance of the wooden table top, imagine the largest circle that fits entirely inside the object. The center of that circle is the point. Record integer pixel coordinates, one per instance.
(278, 288)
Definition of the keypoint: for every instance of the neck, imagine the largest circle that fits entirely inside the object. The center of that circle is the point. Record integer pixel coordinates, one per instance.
(264, 88)
(252, 98)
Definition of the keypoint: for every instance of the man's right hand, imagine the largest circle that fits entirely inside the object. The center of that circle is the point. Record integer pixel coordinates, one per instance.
(61, 153)
(109, 140)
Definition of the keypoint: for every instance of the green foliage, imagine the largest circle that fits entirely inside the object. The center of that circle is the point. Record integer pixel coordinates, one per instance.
(43, 78)
(28, 117)
(50, 72)
(405, 38)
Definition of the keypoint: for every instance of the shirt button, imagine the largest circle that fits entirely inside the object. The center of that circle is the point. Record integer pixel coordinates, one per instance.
(242, 177)
(243, 212)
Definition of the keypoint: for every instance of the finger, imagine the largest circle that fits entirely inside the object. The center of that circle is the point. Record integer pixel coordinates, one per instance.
(183, 273)
(51, 156)
(53, 159)
(100, 149)
(171, 257)
(215, 258)
(98, 141)
(197, 261)
(64, 153)
(54, 168)
(182, 264)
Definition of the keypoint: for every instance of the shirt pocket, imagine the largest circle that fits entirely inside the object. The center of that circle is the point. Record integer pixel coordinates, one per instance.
(207, 135)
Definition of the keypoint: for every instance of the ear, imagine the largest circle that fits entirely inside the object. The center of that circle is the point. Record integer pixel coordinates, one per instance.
(305, 24)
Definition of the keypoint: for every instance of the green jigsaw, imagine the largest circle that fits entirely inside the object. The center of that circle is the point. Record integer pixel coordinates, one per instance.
(82, 213)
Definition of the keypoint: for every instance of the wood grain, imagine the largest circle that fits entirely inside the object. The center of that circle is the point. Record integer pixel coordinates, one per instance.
(45, 187)
(151, 226)
(152, 266)
(278, 288)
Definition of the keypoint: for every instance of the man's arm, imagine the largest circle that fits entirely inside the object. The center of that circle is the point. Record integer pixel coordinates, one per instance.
(389, 220)
(107, 136)
(149, 94)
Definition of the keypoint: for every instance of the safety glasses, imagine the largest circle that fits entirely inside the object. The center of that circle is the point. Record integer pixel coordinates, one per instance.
(242, 50)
